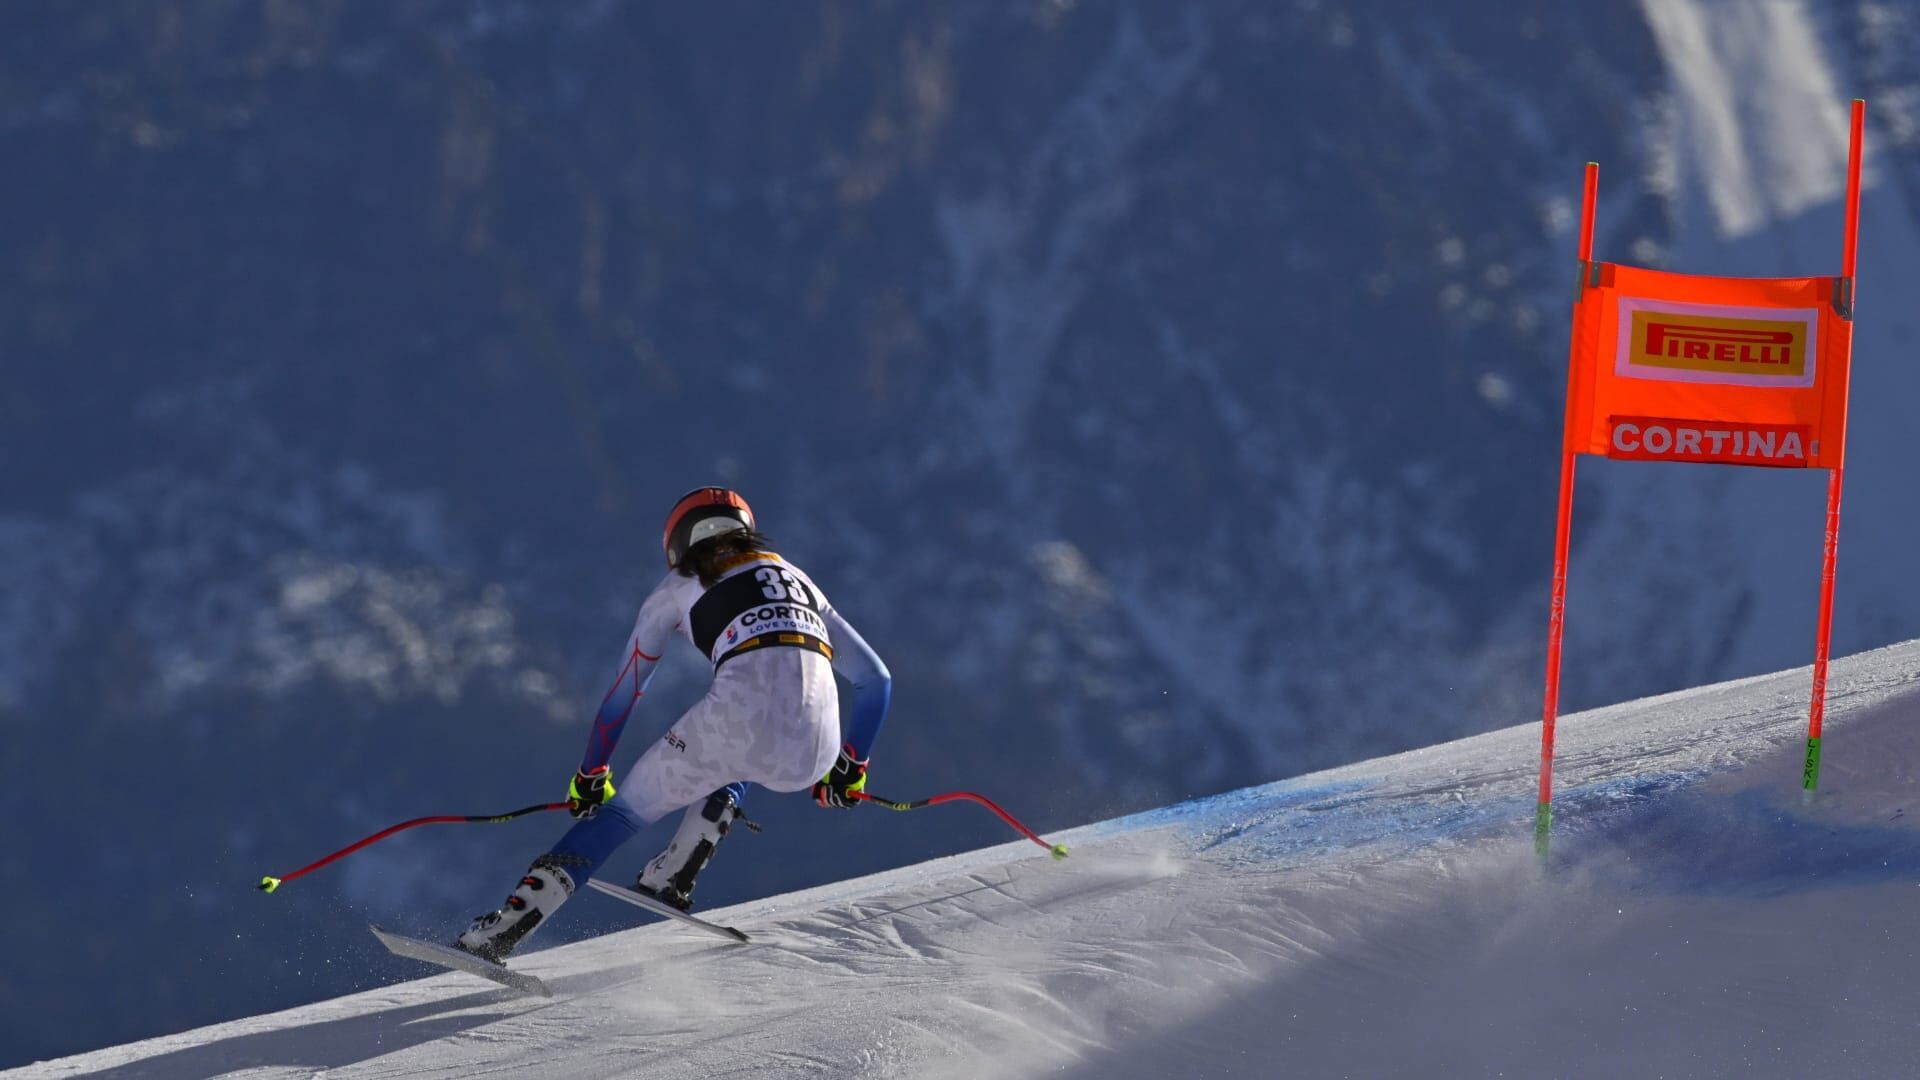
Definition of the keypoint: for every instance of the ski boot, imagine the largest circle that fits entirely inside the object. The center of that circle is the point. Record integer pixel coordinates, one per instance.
(669, 877)
(496, 934)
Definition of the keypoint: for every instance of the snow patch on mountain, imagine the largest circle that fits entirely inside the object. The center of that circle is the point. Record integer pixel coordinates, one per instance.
(261, 572)
(1761, 107)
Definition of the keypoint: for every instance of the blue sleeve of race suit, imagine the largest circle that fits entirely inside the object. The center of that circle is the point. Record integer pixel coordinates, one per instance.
(616, 707)
(608, 723)
(855, 661)
(651, 630)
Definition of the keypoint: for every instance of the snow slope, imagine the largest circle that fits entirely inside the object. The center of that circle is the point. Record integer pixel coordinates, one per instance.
(1386, 918)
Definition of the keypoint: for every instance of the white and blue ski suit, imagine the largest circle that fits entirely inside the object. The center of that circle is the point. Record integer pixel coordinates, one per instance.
(771, 717)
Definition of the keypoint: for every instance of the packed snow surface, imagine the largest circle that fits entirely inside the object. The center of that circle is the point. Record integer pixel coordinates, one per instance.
(1697, 917)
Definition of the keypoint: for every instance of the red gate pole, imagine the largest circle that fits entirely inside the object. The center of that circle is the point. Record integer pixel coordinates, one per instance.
(1810, 774)
(1563, 527)
(1823, 635)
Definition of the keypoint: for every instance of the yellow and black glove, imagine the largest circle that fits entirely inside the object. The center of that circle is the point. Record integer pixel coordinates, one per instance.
(842, 786)
(588, 791)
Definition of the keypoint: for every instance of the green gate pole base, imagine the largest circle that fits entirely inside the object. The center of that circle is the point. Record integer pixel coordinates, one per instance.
(1810, 776)
(1542, 829)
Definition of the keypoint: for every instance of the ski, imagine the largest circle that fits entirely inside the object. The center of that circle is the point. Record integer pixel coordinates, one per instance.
(447, 956)
(642, 900)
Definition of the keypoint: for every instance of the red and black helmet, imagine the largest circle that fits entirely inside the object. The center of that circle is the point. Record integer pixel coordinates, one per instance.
(702, 513)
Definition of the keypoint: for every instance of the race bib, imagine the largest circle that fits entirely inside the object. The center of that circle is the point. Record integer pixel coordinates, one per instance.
(766, 605)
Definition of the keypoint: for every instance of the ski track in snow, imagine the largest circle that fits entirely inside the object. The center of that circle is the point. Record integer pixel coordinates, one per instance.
(1697, 920)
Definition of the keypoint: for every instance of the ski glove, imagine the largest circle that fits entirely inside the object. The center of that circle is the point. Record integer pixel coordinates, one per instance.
(844, 784)
(588, 791)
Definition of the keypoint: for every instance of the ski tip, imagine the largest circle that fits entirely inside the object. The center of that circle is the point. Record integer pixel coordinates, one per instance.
(1059, 851)
(268, 884)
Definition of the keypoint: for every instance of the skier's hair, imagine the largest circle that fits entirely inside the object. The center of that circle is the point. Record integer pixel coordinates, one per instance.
(707, 559)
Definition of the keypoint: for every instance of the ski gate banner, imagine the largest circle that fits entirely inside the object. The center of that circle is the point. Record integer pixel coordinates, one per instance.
(1714, 370)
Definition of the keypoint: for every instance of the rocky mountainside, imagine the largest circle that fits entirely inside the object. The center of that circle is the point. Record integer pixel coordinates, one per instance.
(1170, 391)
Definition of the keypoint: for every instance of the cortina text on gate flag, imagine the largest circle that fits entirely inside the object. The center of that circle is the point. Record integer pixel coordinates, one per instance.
(1654, 438)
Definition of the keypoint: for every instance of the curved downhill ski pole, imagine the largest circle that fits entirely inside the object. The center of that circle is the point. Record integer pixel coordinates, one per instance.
(270, 883)
(1058, 851)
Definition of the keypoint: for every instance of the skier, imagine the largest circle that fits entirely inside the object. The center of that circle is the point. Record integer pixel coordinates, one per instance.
(770, 717)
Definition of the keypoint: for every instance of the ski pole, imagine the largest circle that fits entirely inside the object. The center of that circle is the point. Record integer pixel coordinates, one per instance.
(270, 883)
(1058, 851)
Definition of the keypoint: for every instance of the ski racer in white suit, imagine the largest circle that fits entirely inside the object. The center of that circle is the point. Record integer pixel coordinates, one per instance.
(771, 716)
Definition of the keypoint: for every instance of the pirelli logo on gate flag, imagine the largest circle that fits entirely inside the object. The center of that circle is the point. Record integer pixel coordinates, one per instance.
(1705, 344)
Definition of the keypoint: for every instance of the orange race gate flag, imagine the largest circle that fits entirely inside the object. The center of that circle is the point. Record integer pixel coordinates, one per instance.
(1721, 371)
(1730, 371)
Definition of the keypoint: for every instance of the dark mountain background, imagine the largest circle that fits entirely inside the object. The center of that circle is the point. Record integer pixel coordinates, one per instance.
(1170, 391)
